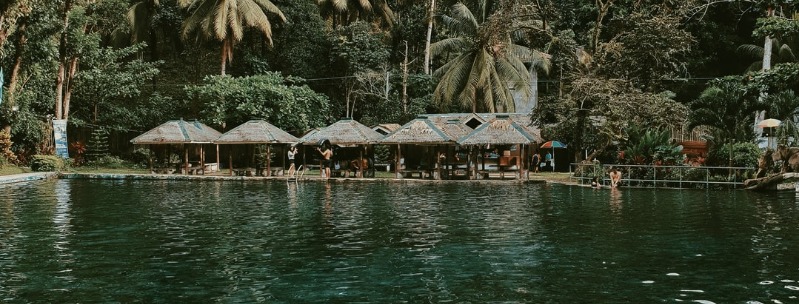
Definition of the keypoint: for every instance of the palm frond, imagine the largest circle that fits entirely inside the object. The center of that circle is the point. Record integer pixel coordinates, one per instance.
(219, 23)
(450, 45)
(453, 79)
(255, 17)
(339, 5)
(365, 5)
(751, 50)
(466, 23)
(501, 95)
(786, 54)
(138, 18)
(271, 8)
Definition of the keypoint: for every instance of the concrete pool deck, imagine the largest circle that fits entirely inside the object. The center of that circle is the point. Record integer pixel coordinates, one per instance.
(25, 177)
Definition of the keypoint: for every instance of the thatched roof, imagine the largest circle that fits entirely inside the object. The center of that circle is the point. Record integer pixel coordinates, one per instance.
(345, 132)
(178, 132)
(454, 128)
(385, 129)
(418, 131)
(256, 132)
(499, 131)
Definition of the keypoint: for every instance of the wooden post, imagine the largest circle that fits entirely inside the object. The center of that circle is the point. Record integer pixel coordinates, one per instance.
(169, 157)
(438, 161)
(186, 158)
(520, 162)
(150, 157)
(360, 159)
(202, 159)
(230, 159)
(268, 160)
(218, 165)
(304, 158)
(398, 168)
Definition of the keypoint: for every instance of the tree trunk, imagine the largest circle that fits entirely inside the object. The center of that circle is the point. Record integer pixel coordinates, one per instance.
(405, 82)
(767, 48)
(59, 92)
(70, 84)
(62, 61)
(12, 83)
(603, 8)
(429, 36)
(224, 59)
(3, 31)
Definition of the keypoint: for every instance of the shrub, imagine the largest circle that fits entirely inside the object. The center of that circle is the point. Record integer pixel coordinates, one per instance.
(6, 155)
(740, 154)
(42, 163)
(109, 161)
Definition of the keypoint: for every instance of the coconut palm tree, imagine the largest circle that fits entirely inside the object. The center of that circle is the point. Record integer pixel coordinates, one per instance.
(140, 16)
(780, 53)
(344, 12)
(225, 20)
(482, 64)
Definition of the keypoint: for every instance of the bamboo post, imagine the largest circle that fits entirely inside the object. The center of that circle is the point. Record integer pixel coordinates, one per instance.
(150, 157)
(230, 159)
(398, 168)
(520, 162)
(268, 160)
(186, 159)
(360, 159)
(202, 159)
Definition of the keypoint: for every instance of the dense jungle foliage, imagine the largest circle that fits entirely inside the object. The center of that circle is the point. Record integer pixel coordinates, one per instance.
(589, 71)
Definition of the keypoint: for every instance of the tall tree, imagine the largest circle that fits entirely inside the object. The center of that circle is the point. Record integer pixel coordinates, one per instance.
(483, 63)
(226, 20)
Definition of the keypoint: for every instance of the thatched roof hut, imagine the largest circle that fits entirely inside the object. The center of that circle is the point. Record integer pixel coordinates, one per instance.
(345, 132)
(419, 131)
(178, 132)
(256, 132)
(499, 131)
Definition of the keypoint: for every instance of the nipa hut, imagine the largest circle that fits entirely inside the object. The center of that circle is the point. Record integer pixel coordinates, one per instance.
(344, 133)
(256, 132)
(423, 136)
(179, 132)
(502, 130)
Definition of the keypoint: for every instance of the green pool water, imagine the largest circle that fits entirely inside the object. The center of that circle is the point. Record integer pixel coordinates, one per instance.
(93, 241)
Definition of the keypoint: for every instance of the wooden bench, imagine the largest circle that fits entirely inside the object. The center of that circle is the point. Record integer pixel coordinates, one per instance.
(244, 171)
(410, 173)
(162, 171)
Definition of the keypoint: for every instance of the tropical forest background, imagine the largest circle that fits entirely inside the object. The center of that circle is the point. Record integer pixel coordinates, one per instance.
(601, 75)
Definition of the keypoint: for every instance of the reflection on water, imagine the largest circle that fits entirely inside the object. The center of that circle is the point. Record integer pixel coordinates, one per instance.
(615, 200)
(279, 241)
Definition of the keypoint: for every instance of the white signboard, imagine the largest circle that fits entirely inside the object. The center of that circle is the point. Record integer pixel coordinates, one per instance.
(60, 136)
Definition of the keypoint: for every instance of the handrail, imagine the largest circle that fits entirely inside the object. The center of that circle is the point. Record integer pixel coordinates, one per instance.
(670, 176)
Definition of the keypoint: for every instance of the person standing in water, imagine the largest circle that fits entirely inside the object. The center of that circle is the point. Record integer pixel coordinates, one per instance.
(327, 155)
(292, 163)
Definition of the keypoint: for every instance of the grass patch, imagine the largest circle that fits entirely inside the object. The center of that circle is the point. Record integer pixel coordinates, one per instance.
(11, 170)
